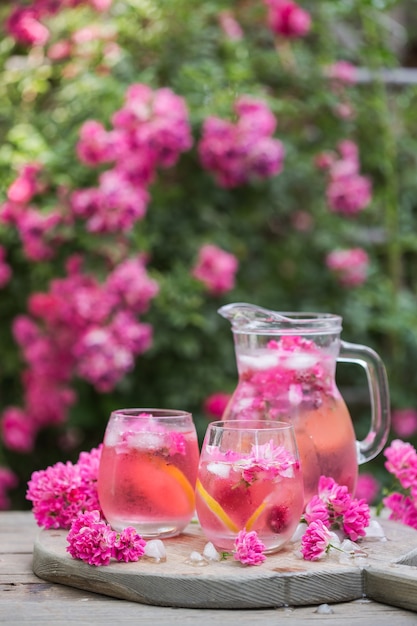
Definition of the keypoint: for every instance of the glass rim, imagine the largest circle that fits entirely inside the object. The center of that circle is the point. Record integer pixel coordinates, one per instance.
(146, 413)
(308, 323)
(245, 425)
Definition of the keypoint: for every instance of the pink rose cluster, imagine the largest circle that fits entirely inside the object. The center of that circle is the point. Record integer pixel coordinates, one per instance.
(37, 229)
(149, 131)
(287, 19)
(25, 23)
(402, 464)
(332, 509)
(237, 153)
(92, 540)
(83, 328)
(249, 549)
(215, 404)
(404, 422)
(348, 192)
(216, 269)
(350, 266)
(64, 490)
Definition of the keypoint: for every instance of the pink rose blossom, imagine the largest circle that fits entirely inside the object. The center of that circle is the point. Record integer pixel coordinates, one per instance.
(404, 422)
(333, 508)
(130, 285)
(249, 548)
(216, 269)
(315, 510)
(24, 26)
(94, 144)
(402, 462)
(237, 153)
(26, 185)
(287, 19)
(349, 266)
(356, 518)
(349, 195)
(62, 491)
(91, 539)
(230, 26)
(342, 72)
(17, 430)
(367, 487)
(348, 192)
(316, 541)
(128, 546)
(216, 404)
(402, 508)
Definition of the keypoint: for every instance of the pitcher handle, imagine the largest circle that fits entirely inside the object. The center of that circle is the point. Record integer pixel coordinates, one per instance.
(376, 374)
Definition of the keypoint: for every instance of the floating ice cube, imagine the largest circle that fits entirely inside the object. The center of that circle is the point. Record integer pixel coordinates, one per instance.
(301, 361)
(145, 440)
(222, 470)
(261, 361)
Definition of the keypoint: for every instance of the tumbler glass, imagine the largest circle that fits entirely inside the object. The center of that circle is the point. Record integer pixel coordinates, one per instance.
(148, 470)
(249, 478)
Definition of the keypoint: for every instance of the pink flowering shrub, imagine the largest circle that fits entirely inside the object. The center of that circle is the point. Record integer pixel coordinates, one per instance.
(159, 162)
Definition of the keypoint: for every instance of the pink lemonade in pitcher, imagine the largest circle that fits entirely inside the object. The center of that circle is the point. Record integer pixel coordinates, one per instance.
(290, 380)
(253, 487)
(147, 474)
(287, 369)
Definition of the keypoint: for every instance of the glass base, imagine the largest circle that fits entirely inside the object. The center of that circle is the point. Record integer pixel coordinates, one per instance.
(150, 530)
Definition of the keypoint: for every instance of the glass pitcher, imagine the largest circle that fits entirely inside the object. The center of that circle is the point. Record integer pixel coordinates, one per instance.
(286, 365)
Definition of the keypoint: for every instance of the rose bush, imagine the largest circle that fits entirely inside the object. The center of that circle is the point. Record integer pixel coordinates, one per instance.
(158, 160)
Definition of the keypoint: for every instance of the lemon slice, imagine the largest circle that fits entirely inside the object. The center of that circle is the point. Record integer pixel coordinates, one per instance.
(215, 508)
(164, 485)
(257, 512)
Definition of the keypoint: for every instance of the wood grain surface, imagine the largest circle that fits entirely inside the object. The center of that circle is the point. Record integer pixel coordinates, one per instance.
(27, 600)
(386, 572)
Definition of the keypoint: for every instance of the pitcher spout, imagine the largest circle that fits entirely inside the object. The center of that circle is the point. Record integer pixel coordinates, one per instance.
(246, 317)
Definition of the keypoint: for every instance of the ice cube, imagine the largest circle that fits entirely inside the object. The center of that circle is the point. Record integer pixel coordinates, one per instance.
(261, 361)
(210, 552)
(222, 470)
(301, 361)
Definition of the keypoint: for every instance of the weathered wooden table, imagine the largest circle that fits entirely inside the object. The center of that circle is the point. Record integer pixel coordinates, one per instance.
(27, 599)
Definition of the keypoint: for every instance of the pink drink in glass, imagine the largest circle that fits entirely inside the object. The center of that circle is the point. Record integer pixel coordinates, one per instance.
(293, 380)
(148, 470)
(249, 478)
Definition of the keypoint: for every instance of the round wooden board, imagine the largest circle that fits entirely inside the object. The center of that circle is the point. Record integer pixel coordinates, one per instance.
(387, 573)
